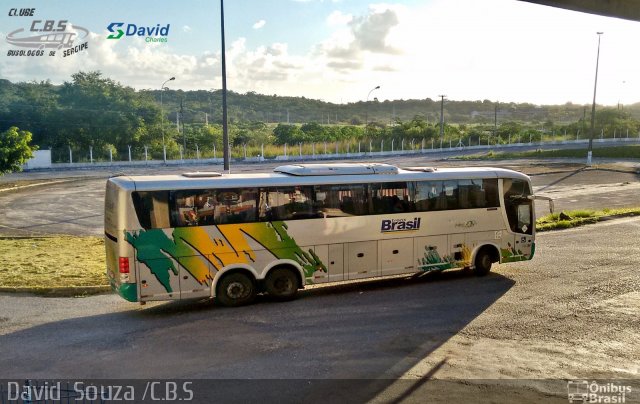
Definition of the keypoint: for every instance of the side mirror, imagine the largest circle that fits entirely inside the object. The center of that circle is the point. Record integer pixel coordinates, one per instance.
(543, 198)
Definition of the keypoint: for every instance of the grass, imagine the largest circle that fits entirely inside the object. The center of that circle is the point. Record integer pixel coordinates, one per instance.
(72, 266)
(617, 152)
(43, 264)
(575, 218)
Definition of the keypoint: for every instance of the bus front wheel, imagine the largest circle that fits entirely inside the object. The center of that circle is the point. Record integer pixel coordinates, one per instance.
(483, 262)
(236, 289)
(282, 284)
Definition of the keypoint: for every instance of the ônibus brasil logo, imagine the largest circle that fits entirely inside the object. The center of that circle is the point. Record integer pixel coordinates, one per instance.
(155, 33)
(393, 225)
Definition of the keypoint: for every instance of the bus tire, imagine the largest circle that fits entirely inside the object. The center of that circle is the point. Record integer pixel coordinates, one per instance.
(482, 264)
(282, 283)
(236, 289)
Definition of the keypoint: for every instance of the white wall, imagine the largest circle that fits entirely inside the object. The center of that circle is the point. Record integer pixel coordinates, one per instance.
(41, 159)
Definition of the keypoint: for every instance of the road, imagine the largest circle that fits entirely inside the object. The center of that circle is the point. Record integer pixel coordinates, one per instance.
(571, 313)
(72, 202)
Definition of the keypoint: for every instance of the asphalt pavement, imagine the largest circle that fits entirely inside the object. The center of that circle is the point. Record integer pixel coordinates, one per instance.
(570, 313)
(518, 334)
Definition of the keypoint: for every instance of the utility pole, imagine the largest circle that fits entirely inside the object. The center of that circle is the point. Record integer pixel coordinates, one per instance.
(184, 137)
(584, 118)
(593, 107)
(164, 147)
(366, 119)
(441, 118)
(495, 121)
(225, 130)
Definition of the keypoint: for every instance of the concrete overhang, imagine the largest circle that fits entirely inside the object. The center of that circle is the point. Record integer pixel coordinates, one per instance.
(627, 9)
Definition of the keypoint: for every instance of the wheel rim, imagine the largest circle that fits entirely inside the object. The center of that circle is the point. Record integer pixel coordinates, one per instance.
(485, 261)
(283, 284)
(237, 290)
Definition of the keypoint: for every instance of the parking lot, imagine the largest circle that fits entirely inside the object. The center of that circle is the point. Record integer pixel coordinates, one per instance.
(520, 333)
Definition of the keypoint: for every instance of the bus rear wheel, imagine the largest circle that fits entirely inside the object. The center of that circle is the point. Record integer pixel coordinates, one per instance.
(282, 284)
(482, 264)
(236, 289)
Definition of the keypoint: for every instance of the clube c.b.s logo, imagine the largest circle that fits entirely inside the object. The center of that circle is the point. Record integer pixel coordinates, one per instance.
(394, 225)
(44, 36)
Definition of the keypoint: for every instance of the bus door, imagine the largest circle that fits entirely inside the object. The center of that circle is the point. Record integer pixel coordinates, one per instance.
(518, 208)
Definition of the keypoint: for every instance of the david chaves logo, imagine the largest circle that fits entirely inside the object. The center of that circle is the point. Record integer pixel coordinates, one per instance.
(152, 34)
(597, 392)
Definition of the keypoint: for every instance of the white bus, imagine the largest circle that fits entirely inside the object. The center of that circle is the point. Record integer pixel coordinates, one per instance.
(232, 236)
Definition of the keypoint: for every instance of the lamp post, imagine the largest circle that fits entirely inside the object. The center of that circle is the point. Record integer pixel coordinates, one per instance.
(366, 119)
(225, 130)
(593, 106)
(620, 106)
(164, 149)
(441, 118)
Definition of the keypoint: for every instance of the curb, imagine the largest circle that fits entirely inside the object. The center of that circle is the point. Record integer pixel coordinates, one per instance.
(80, 291)
(594, 220)
(38, 184)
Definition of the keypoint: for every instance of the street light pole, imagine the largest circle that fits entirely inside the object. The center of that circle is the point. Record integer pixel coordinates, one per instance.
(225, 130)
(164, 149)
(593, 106)
(441, 119)
(366, 119)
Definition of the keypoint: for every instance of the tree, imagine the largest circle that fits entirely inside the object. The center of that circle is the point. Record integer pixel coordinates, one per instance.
(288, 134)
(15, 149)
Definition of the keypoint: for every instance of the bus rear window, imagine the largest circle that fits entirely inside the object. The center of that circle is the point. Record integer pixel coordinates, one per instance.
(152, 209)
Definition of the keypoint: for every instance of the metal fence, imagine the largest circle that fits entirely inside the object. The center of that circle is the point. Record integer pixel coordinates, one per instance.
(71, 158)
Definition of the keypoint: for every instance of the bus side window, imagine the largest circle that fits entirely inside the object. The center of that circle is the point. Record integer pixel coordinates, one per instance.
(236, 206)
(207, 206)
(465, 188)
(152, 209)
(450, 192)
(341, 200)
(490, 187)
(390, 197)
(183, 209)
(160, 213)
(353, 199)
(303, 206)
(143, 206)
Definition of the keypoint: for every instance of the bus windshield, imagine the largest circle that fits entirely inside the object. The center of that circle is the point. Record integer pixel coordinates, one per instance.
(518, 205)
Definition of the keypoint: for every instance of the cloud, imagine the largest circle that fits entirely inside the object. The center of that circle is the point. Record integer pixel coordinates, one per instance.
(269, 69)
(361, 41)
(370, 31)
(412, 52)
(338, 18)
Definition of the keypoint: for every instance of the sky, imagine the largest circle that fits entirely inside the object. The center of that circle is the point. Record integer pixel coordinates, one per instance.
(339, 50)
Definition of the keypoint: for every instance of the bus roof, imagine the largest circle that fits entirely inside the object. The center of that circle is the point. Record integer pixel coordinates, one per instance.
(296, 176)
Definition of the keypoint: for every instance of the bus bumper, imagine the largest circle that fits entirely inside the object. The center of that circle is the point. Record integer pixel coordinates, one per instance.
(128, 291)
